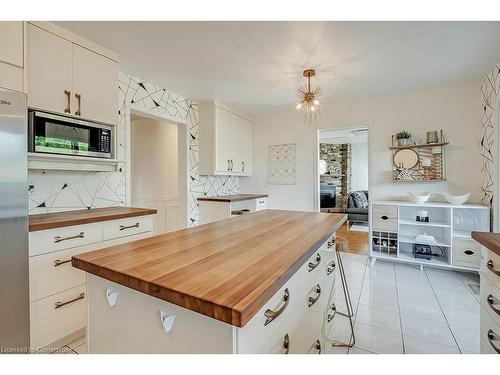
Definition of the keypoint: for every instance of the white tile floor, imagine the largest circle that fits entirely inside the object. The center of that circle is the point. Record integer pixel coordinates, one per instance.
(400, 309)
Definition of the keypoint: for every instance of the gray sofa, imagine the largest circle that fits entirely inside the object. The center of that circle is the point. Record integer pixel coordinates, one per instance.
(355, 214)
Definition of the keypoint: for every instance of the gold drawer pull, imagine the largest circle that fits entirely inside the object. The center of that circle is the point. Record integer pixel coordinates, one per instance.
(312, 300)
(492, 336)
(492, 268)
(492, 301)
(79, 110)
(68, 97)
(330, 268)
(286, 344)
(60, 239)
(58, 262)
(313, 265)
(123, 227)
(61, 304)
(273, 314)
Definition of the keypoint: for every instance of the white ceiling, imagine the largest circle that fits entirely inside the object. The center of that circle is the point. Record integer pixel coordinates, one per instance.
(257, 66)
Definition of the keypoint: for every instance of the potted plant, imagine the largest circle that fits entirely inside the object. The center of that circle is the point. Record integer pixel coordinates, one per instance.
(403, 138)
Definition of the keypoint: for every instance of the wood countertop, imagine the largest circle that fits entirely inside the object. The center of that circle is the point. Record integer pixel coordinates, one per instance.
(233, 198)
(69, 218)
(226, 269)
(489, 240)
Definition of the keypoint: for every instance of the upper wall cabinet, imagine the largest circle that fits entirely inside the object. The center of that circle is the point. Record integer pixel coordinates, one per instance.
(225, 141)
(11, 55)
(68, 77)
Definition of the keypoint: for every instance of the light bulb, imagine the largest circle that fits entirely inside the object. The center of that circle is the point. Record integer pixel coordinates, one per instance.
(316, 102)
(299, 105)
(313, 108)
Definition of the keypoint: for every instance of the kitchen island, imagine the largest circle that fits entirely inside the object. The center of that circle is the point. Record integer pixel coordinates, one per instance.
(260, 283)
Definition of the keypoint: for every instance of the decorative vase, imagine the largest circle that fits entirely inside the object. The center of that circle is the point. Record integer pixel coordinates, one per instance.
(403, 142)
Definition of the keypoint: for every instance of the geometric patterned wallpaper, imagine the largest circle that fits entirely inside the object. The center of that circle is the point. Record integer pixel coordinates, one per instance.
(281, 164)
(52, 191)
(490, 88)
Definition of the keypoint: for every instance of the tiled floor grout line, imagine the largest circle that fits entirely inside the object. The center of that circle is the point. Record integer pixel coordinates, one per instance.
(355, 314)
(399, 310)
(442, 311)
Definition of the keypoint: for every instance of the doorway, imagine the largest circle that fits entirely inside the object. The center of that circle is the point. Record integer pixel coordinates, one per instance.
(155, 169)
(343, 183)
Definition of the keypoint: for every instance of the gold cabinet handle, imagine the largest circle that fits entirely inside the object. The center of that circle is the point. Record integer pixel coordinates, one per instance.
(313, 265)
(243, 166)
(79, 110)
(492, 336)
(228, 164)
(68, 105)
(58, 305)
(312, 300)
(123, 227)
(330, 268)
(286, 344)
(491, 267)
(329, 317)
(232, 166)
(60, 239)
(58, 262)
(273, 314)
(492, 301)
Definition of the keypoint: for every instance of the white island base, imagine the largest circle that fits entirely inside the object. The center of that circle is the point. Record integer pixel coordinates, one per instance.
(134, 324)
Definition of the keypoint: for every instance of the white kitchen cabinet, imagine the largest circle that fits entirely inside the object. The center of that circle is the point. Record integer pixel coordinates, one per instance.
(11, 55)
(66, 76)
(225, 138)
(95, 79)
(50, 60)
(57, 289)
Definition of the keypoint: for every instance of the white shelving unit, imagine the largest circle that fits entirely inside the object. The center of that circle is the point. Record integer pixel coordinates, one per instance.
(451, 226)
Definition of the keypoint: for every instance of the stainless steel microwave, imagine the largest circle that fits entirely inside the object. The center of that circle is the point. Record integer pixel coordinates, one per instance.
(54, 134)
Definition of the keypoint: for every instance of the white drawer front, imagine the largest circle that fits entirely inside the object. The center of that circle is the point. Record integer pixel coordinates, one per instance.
(490, 299)
(52, 273)
(46, 241)
(311, 269)
(256, 333)
(126, 227)
(385, 217)
(302, 342)
(490, 266)
(49, 323)
(260, 204)
(466, 253)
(490, 331)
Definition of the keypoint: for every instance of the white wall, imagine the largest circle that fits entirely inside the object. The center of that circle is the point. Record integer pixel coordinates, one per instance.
(359, 166)
(455, 109)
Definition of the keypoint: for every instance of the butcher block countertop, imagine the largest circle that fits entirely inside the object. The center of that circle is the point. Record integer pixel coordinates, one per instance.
(226, 269)
(94, 215)
(489, 240)
(233, 198)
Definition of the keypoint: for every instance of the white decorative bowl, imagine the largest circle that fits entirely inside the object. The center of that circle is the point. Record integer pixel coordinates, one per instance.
(419, 198)
(456, 199)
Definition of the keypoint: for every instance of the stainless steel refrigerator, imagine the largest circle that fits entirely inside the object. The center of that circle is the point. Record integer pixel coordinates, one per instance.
(14, 274)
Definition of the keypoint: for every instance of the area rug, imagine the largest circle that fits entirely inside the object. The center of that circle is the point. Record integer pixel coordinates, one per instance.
(359, 228)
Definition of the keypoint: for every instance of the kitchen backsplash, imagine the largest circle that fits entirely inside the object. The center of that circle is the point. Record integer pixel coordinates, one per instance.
(53, 191)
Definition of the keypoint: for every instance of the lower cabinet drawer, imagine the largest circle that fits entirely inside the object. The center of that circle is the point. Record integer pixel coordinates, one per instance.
(466, 253)
(57, 316)
(490, 266)
(273, 320)
(490, 299)
(490, 332)
(302, 342)
(279, 343)
(52, 273)
(126, 227)
(316, 307)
